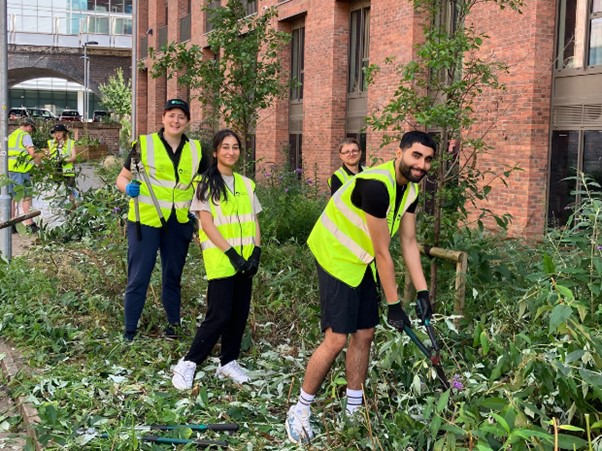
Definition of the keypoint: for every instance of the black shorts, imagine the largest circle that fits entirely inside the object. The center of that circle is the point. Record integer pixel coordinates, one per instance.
(345, 309)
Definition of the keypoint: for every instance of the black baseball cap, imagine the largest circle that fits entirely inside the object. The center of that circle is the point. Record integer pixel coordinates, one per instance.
(28, 121)
(59, 128)
(178, 103)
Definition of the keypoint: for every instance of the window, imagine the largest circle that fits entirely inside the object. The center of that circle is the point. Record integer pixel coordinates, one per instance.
(359, 46)
(211, 4)
(297, 63)
(573, 151)
(579, 34)
(251, 7)
(295, 152)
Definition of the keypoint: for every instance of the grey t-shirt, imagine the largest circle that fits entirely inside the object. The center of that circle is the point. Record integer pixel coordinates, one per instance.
(199, 205)
(27, 141)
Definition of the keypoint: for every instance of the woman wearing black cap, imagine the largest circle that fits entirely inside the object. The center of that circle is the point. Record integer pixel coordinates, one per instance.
(62, 149)
(165, 164)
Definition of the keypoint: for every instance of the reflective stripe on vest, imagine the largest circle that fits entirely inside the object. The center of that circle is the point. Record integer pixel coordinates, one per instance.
(340, 240)
(19, 159)
(68, 169)
(235, 221)
(170, 194)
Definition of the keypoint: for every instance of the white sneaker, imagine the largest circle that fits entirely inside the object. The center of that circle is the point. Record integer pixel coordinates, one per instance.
(234, 371)
(297, 426)
(183, 374)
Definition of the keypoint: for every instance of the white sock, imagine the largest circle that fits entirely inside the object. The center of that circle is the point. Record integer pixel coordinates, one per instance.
(354, 400)
(305, 400)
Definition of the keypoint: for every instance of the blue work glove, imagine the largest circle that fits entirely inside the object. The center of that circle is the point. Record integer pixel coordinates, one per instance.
(254, 262)
(397, 318)
(132, 189)
(240, 264)
(424, 310)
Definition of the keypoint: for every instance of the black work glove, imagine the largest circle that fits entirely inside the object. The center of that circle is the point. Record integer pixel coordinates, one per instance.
(397, 317)
(254, 262)
(240, 264)
(424, 310)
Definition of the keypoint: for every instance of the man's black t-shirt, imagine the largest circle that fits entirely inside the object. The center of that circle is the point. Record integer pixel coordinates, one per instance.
(335, 182)
(372, 197)
(175, 156)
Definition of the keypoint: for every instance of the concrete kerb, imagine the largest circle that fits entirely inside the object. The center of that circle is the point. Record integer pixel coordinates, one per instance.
(10, 368)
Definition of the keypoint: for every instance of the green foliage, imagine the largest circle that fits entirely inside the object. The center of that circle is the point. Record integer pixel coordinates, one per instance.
(116, 95)
(291, 204)
(528, 350)
(239, 72)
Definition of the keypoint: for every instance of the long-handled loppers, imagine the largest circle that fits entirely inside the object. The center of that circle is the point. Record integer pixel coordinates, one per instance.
(432, 354)
(222, 427)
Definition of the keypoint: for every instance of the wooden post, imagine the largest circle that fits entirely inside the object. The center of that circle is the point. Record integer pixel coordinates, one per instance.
(461, 260)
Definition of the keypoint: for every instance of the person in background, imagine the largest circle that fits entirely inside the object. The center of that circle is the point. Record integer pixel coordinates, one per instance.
(62, 149)
(351, 155)
(21, 158)
(171, 162)
(227, 209)
(354, 231)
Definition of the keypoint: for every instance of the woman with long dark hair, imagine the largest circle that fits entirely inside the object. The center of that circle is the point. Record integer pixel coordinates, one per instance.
(227, 209)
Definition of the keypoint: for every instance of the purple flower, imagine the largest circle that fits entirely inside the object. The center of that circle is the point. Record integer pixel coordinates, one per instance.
(309, 181)
(267, 174)
(116, 210)
(298, 171)
(286, 190)
(456, 383)
(600, 248)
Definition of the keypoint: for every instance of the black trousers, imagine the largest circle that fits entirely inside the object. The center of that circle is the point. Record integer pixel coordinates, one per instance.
(228, 304)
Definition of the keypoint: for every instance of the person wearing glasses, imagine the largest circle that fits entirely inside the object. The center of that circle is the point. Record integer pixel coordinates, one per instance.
(350, 241)
(226, 207)
(158, 215)
(350, 154)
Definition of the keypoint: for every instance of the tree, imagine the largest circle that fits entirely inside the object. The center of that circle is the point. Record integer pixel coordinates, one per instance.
(437, 92)
(116, 95)
(240, 72)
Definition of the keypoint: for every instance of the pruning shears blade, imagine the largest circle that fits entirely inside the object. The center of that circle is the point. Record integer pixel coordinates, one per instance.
(431, 354)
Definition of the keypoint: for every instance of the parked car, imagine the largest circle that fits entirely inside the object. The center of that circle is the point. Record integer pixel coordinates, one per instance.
(100, 115)
(42, 113)
(17, 113)
(70, 115)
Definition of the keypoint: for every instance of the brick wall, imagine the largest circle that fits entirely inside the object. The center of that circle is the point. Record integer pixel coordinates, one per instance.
(516, 121)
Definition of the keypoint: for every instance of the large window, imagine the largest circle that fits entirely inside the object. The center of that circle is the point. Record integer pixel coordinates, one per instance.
(579, 34)
(295, 152)
(573, 152)
(297, 63)
(70, 16)
(359, 47)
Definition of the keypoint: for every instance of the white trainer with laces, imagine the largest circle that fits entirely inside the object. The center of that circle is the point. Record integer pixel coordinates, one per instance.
(297, 425)
(233, 371)
(183, 374)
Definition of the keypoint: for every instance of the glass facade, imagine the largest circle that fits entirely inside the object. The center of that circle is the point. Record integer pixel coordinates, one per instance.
(70, 17)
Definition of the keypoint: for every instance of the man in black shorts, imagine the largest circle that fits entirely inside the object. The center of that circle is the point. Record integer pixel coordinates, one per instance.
(350, 242)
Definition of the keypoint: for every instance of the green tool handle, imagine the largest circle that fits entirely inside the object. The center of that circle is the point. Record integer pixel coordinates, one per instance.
(197, 427)
(184, 441)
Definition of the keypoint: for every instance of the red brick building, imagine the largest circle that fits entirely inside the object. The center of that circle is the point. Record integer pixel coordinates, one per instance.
(548, 121)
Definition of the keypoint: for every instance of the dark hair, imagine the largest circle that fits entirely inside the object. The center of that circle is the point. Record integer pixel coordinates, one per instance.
(212, 180)
(349, 141)
(416, 136)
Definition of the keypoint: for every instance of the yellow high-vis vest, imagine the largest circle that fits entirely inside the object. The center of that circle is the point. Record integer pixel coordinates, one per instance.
(340, 240)
(342, 175)
(68, 169)
(235, 220)
(160, 169)
(19, 159)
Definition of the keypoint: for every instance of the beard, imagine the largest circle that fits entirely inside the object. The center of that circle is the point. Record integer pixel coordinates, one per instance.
(406, 172)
